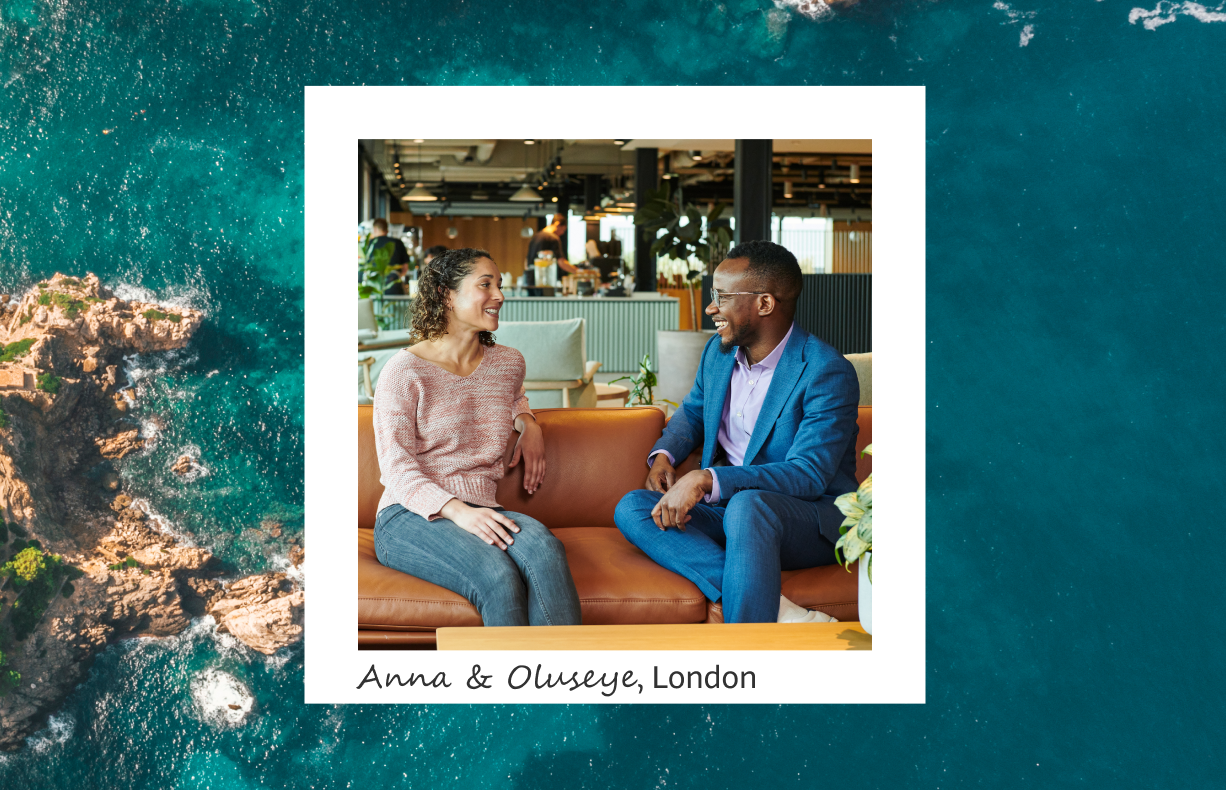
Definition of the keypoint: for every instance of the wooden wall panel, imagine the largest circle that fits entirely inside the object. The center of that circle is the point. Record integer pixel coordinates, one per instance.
(852, 255)
(502, 238)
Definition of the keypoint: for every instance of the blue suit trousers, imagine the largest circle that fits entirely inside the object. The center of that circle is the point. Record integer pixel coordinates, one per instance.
(733, 551)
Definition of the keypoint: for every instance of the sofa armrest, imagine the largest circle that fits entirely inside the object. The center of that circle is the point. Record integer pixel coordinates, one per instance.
(590, 370)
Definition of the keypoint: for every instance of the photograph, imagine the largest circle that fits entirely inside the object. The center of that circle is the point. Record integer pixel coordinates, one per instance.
(619, 387)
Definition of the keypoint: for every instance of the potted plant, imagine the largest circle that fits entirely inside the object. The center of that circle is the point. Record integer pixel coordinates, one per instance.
(642, 387)
(856, 542)
(377, 274)
(679, 352)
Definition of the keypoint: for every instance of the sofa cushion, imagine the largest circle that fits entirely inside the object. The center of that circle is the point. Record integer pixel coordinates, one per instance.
(594, 457)
(617, 584)
(391, 600)
(828, 589)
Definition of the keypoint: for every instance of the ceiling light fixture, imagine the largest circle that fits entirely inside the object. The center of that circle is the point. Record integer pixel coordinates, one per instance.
(525, 194)
(855, 174)
(419, 193)
(787, 189)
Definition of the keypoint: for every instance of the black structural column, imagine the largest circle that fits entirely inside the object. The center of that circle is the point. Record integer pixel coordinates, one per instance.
(591, 202)
(646, 178)
(752, 190)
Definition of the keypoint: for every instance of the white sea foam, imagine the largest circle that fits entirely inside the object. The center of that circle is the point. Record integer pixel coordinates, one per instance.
(1013, 14)
(173, 296)
(161, 523)
(1166, 12)
(60, 728)
(198, 470)
(221, 699)
(812, 9)
(1027, 34)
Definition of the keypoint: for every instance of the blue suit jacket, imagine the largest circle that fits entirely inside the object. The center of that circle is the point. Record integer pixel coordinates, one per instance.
(804, 442)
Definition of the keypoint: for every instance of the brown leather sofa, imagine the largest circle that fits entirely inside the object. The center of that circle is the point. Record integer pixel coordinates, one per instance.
(595, 456)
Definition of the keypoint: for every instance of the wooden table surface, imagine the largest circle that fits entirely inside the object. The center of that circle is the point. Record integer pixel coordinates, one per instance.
(692, 636)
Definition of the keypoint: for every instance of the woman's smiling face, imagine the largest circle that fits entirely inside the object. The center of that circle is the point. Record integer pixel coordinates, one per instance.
(475, 306)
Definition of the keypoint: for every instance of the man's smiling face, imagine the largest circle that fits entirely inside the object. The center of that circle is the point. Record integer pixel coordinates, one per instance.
(736, 317)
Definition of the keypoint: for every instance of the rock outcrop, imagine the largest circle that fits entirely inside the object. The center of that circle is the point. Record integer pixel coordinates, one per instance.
(63, 405)
(183, 466)
(263, 611)
(120, 444)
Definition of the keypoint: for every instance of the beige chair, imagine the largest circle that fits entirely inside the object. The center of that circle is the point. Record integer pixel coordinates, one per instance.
(863, 363)
(558, 372)
(370, 337)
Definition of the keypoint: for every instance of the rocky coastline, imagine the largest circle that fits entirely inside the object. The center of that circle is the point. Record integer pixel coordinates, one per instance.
(108, 571)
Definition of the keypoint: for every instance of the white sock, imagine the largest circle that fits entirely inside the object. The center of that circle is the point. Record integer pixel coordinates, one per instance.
(791, 613)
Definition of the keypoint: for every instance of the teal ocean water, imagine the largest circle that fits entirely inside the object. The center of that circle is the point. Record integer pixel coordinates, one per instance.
(1075, 326)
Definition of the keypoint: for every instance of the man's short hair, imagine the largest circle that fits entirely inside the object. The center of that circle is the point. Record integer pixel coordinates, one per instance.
(772, 267)
(379, 224)
(436, 250)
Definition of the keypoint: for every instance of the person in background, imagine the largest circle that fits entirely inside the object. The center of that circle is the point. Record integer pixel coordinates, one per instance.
(399, 259)
(432, 253)
(444, 411)
(548, 239)
(598, 258)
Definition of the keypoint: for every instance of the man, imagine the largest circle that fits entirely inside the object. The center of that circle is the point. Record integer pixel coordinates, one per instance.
(380, 244)
(548, 238)
(774, 410)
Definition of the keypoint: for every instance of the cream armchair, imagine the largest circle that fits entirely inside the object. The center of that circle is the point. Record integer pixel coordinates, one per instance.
(555, 356)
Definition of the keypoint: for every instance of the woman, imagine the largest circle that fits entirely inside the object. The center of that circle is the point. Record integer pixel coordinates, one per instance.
(444, 411)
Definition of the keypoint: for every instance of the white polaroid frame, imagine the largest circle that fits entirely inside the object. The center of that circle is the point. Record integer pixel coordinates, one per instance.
(893, 117)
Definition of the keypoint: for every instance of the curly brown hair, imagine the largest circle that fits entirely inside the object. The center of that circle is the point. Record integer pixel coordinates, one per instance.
(438, 280)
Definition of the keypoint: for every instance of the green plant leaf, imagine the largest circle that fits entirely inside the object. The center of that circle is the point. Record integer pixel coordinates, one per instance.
(849, 505)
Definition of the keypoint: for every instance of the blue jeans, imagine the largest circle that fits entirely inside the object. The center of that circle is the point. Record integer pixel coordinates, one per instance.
(734, 552)
(528, 584)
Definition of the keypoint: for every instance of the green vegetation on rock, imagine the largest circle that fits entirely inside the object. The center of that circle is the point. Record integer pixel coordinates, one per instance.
(130, 562)
(14, 350)
(28, 565)
(71, 306)
(8, 678)
(36, 575)
(49, 382)
(157, 315)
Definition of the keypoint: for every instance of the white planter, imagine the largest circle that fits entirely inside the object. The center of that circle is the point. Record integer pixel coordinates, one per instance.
(678, 354)
(866, 594)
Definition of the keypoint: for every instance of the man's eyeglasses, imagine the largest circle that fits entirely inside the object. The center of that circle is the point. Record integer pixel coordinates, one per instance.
(718, 297)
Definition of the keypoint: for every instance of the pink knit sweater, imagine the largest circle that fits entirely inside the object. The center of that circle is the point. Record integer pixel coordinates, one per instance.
(440, 435)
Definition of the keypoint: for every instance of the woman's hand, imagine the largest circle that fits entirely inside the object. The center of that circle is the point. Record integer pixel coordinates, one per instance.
(489, 525)
(531, 446)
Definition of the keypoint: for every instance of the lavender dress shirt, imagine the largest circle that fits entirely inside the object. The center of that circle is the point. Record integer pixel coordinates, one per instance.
(746, 394)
